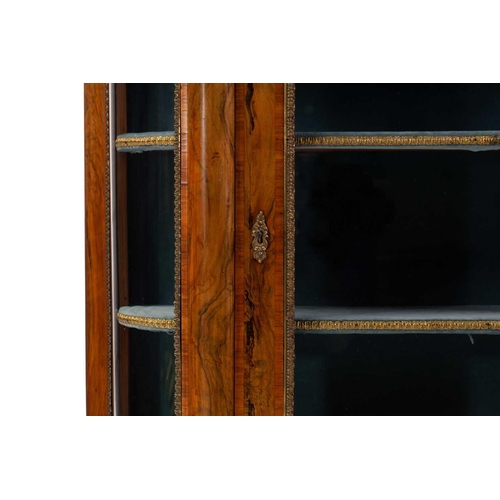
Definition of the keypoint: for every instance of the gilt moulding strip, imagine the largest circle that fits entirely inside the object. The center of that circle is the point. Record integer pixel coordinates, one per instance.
(159, 323)
(289, 247)
(416, 325)
(136, 143)
(476, 140)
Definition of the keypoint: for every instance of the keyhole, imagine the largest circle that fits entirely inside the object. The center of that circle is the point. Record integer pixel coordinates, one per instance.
(259, 236)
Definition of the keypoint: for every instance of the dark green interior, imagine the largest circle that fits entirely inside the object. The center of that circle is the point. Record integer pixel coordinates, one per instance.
(390, 107)
(150, 107)
(151, 253)
(151, 278)
(151, 227)
(152, 373)
(400, 374)
(397, 229)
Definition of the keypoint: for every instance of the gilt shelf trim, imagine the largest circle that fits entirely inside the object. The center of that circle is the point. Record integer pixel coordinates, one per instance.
(451, 318)
(147, 141)
(473, 141)
(394, 325)
(153, 323)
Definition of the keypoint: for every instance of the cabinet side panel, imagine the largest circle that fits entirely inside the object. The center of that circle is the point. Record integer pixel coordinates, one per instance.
(97, 252)
(207, 248)
(260, 286)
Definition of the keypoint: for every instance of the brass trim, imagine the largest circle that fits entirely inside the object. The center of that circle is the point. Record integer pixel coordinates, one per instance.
(416, 325)
(396, 140)
(177, 250)
(146, 141)
(108, 258)
(289, 247)
(128, 320)
(260, 235)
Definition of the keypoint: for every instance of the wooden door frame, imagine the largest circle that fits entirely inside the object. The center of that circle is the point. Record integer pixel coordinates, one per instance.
(98, 293)
(207, 248)
(260, 284)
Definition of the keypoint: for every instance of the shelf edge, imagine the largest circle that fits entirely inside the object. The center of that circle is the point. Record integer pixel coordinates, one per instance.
(476, 140)
(395, 325)
(159, 324)
(137, 143)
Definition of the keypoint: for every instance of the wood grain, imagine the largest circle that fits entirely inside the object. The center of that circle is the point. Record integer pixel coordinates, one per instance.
(96, 258)
(259, 311)
(122, 247)
(207, 248)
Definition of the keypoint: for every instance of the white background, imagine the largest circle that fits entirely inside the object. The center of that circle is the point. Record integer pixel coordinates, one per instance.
(49, 448)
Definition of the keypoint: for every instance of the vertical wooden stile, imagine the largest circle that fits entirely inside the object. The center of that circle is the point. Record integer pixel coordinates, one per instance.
(97, 251)
(260, 174)
(207, 248)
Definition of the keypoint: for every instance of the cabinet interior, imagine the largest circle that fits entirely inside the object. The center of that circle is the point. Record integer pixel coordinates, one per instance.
(397, 242)
(147, 241)
(399, 230)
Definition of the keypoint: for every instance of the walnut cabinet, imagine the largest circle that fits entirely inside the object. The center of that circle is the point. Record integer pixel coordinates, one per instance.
(281, 249)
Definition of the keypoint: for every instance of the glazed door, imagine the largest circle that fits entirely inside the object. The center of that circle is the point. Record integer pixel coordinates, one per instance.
(261, 141)
(147, 246)
(397, 242)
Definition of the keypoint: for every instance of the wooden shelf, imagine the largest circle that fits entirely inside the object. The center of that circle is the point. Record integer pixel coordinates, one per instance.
(146, 141)
(469, 141)
(460, 319)
(149, 318)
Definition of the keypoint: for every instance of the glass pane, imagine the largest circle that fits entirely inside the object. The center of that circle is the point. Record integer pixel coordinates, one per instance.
(397, 107)
(151, 279)
(146, 252)
(150, 107)
(410, 374)
(151, 227)
(152, 373)
(397, 275)
(397, 228)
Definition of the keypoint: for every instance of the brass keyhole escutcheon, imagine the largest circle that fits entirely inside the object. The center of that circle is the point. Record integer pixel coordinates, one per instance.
(260, 234)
